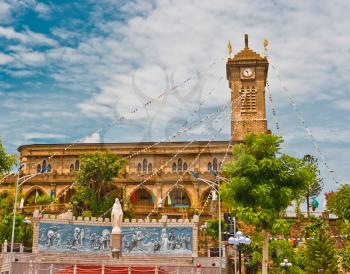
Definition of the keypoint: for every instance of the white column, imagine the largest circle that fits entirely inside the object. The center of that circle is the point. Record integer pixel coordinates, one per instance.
(129, 269)
(156, 270)
(103, 269)
(51, 269)
(75, 269)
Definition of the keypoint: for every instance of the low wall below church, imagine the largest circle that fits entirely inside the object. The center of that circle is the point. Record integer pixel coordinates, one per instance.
(142, 237)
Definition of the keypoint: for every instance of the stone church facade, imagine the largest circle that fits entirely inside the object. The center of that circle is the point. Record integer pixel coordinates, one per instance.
(246, 75)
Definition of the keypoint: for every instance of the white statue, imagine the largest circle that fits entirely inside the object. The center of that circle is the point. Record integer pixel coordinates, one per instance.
(117, 217)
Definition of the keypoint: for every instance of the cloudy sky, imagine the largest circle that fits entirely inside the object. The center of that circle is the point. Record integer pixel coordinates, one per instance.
(69, 68)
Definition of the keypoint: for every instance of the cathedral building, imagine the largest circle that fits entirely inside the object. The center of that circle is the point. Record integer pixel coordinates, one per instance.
(246, 74)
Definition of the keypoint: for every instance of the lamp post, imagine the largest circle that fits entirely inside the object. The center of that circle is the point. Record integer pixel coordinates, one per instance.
(285, 264)
(238, 241)
(18, 185)
(203, 229)
(26, 221)
(216, 187)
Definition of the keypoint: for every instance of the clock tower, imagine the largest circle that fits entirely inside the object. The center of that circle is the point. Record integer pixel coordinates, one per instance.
(247, 73)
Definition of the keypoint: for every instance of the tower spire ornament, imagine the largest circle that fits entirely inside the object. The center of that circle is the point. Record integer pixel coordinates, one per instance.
(246, 41)
(229, 47)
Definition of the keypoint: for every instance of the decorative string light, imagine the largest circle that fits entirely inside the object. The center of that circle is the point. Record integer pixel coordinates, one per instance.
(135, 110)
(273, 108)
(302, 120)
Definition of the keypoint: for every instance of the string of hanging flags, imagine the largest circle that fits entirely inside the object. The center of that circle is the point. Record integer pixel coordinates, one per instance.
(300, 117)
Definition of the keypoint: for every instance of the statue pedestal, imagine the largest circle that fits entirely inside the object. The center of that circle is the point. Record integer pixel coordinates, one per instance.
(116, 241)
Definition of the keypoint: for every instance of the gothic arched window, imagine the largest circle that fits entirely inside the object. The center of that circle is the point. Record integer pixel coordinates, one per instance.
(179, 165)
(139, 168)
(215, 164)
(144, 165)
(220, 165)
(185, 166)
(48, 168)
(38, 168)
(77, 165)
(149, 168)
(173, 167)
(209, 167)
(71, 169)
(44, 166)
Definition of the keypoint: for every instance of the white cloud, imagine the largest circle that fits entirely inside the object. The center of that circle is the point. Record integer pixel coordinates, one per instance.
(93, 138)
(4, 58)
(343, 104)
(27, 36)
(43, 10)
(5, 12)
(36, 135)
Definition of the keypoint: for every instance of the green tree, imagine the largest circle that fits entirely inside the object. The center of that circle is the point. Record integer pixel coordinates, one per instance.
(339, 202)
(6, 160)
(263, 182)
(315, 184)
(345, 258)
(98, 171)
(94, 181)
(320, 254)
(212, 229)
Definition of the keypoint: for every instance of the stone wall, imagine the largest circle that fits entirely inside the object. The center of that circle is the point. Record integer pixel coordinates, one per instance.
(140, 237)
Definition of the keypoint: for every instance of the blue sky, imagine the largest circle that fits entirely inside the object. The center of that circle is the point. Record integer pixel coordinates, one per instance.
(69, 68)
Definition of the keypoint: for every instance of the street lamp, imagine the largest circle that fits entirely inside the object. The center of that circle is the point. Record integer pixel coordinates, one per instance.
(203, 228)
(238, 241)
(26, 221)
(18, 185)
(285, 264)
(216, 187)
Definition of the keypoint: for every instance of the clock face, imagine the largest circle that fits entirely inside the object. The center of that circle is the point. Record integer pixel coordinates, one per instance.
(247, 72)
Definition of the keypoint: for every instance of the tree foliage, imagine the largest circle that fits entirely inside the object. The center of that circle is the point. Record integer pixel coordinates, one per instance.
(339, 202)
(6, 160)
(94, 181)
(315, 183)
(263, 182)
(212, 229)
(345, 258)
(22, 233)
(98, 171)
(320, 254)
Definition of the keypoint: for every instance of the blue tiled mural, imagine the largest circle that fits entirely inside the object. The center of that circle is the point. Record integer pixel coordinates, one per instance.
(140, 240)
(156, 241)
(74, 238)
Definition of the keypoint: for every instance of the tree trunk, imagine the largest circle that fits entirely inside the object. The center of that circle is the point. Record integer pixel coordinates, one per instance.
(265, 260)
(308, 204)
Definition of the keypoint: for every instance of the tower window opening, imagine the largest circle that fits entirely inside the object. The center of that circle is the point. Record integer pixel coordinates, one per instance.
(144, 166)
(71, 169)
(44, 166)
(173, 167)
(248, 98)
(209, 167)
(179, 165)
(215, 164)
(139, 168)
(77, 165)
(149, 168)
(185, 166)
